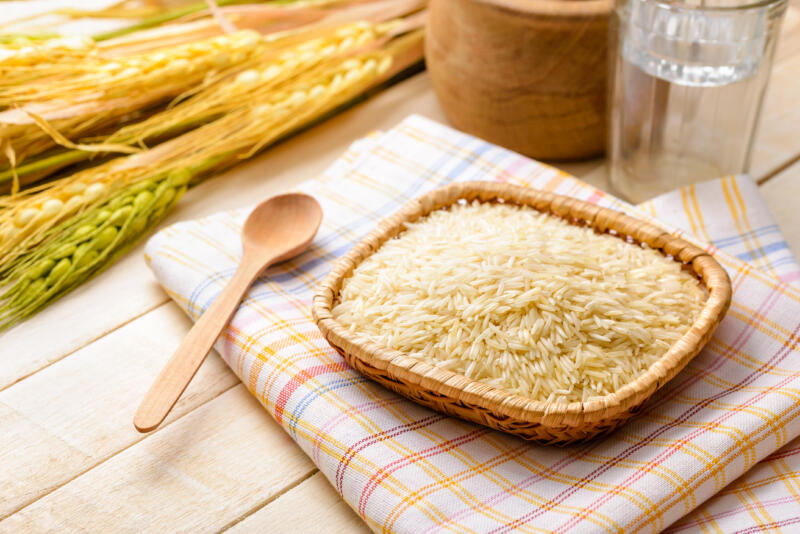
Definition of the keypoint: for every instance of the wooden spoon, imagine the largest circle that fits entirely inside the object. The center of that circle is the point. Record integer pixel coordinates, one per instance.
(277, 229)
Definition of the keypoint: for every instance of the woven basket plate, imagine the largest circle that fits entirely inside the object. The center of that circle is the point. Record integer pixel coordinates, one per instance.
(457, 395)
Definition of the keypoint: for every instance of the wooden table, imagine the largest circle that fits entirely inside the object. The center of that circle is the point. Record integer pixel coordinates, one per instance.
(71, 377)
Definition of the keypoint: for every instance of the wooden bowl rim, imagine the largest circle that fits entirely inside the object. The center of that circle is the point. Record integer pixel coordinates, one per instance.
(568, 8)
(459, 388)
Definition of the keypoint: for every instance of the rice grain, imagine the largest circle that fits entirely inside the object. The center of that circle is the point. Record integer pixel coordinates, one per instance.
(521, 300)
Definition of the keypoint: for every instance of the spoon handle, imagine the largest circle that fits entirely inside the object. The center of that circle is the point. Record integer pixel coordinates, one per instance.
(194, 348)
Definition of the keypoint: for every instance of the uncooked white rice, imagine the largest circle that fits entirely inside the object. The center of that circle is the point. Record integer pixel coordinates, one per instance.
(521, 300)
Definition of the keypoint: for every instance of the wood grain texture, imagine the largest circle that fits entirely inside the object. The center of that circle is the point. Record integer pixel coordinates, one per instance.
(94, 473)
(782, 194)
(312, 506)
(527, 75)
(93, 310)
(777, 140)
(77, 413)
(29, 452)
(789, 41)
(195, 475)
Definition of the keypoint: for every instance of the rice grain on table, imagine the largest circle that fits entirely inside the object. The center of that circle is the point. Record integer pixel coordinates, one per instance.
(521, 300)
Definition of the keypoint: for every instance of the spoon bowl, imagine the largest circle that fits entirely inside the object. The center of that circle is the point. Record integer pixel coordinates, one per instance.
(264, 235)
(277, 229)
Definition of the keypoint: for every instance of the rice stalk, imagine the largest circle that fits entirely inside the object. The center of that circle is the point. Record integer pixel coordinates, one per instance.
(24, 60)
(85, 245)
(81, 102)
(37, 226)
(182, 12)
(92, 96)
(23, 52)
(15, 177)
(252, 84)
(183, 65)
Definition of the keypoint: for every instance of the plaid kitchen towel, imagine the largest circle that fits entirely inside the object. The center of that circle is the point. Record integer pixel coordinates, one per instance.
(731, 214)
(404, 468)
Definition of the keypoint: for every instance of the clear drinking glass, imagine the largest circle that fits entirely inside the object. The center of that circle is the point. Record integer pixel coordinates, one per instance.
(687, 83)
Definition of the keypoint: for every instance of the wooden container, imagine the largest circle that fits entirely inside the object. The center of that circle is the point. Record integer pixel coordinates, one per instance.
(529, 75)
(457, 395)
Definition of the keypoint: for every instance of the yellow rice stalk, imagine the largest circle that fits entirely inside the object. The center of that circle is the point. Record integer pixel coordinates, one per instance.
(181, 66)
(73, 251)
(265, 18)
(25, 220)
(24, 52)
(252, 84)
(24, 60)
(85, 102)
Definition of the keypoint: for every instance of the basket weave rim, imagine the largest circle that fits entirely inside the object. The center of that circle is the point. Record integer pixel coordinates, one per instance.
(457, 387)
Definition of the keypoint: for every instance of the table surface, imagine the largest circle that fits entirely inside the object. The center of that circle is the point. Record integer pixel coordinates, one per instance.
(72, 377)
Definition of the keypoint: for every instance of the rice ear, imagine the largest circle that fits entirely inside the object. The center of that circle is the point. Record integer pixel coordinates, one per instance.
(84, 246)
(32, 222)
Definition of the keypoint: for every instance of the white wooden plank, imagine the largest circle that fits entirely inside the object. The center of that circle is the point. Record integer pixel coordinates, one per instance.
(26, 459)
(311, 507)
(103, 304)
(789, 41)
(782, 193)
(127, 289)
(197, 475)
(777, 141)
(78, 412)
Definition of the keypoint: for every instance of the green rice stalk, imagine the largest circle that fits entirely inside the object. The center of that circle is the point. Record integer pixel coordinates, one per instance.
(26, 219)
(44, 265)
(39, 168)
(85, 245)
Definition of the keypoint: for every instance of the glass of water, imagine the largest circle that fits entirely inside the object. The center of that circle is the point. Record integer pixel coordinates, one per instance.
(687, 82)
